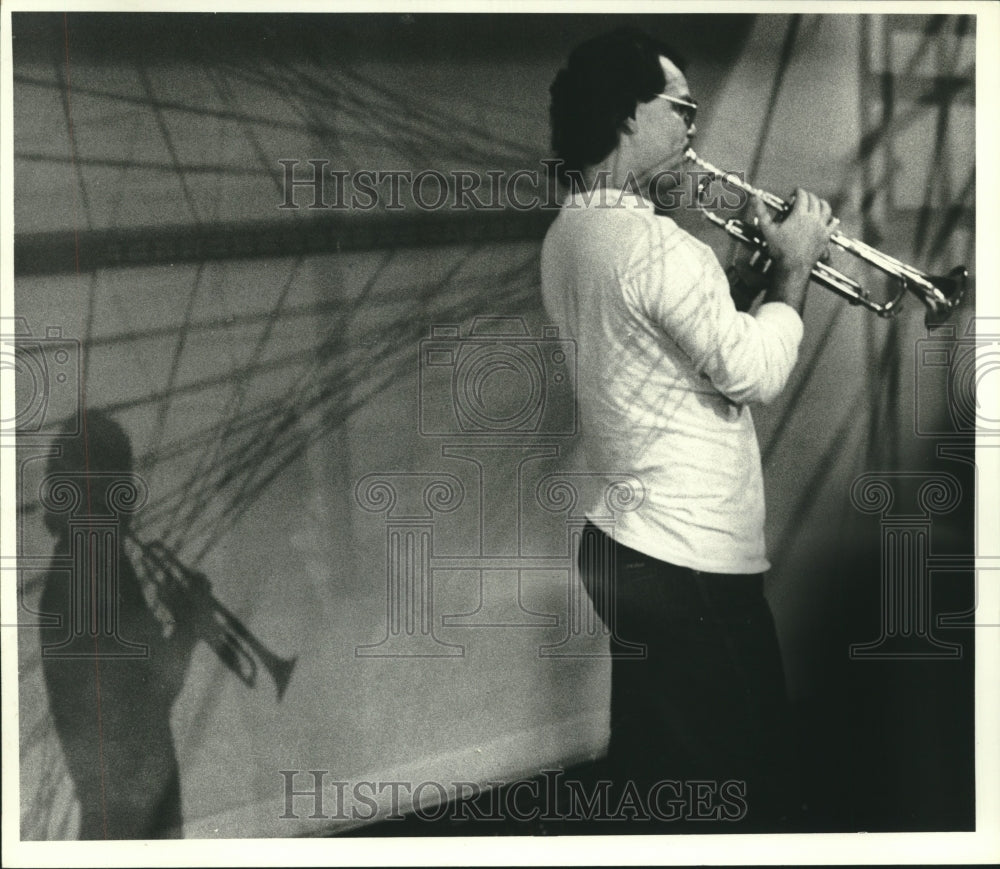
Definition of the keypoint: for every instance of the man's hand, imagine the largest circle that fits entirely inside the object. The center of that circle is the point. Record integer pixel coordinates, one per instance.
(795, 244)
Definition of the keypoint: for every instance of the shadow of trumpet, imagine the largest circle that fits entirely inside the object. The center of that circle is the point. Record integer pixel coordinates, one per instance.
(185, 594)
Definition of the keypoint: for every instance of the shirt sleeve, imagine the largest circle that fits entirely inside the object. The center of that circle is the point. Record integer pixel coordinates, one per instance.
(678, 284)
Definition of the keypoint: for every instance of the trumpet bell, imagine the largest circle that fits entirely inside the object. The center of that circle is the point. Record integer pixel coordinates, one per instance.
(281, 672)
(952, 287)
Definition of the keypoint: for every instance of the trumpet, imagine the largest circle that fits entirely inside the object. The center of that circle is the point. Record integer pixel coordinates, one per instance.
(229, 638)
(940, 294)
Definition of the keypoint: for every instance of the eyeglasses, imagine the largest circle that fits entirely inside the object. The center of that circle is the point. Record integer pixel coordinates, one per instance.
(687, 109)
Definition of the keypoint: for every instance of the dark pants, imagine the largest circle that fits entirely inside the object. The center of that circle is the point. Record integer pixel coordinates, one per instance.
(706, 701)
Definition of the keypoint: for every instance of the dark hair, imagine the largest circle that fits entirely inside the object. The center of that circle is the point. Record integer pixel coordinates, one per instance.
(603, 81)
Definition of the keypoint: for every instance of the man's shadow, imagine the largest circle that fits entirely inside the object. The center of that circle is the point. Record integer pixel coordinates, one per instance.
(110, 691)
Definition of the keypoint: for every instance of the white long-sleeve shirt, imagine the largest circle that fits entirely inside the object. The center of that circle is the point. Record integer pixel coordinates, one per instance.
(666, 369)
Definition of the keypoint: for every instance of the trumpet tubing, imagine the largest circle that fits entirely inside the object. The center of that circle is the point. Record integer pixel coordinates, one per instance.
(940, 294)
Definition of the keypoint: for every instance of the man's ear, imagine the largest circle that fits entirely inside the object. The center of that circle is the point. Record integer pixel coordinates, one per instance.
(628, 126)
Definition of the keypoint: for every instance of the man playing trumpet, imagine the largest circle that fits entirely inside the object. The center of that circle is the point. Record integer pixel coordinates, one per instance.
(667, 370)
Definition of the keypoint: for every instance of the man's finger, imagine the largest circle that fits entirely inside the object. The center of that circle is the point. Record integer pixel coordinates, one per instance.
(762, 214)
